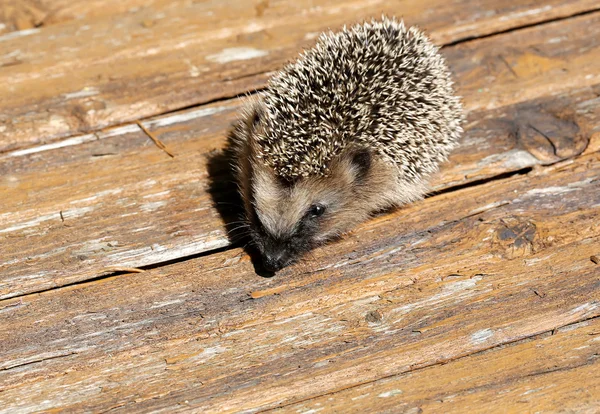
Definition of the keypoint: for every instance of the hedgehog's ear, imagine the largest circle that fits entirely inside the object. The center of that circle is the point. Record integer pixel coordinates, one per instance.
(253, 115)
(361, 160)
(257, 114)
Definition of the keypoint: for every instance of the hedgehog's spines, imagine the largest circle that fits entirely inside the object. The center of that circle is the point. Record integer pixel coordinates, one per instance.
(378, 84)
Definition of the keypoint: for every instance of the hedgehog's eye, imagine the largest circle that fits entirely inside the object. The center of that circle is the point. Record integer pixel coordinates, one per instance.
(316, 210)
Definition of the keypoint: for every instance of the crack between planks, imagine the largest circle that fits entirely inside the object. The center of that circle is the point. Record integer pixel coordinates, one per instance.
(115, 271)
(196, 105)
(413, 369)
(482, 181)
(468, 39)
(227, 97)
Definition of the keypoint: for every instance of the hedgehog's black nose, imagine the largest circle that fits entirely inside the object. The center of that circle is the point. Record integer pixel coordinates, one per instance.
(274, 261)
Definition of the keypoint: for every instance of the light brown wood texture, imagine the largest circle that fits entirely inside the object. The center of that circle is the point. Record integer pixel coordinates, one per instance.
(557, 372)
(76, 77)
(27, 14)
(455, 274)
(16, 15)
(67, 217)
(120, 290)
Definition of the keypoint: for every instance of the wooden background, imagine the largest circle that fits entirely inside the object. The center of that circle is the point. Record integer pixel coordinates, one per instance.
(120, 290)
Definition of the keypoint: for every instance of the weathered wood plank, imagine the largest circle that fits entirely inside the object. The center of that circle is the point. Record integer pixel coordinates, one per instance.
(72, 78)
(27, 14)
(126, 204)
(159, 209)
(452, 275)
(552, 373)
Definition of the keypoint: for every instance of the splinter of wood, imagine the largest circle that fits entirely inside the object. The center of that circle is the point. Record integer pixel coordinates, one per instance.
(157, 141)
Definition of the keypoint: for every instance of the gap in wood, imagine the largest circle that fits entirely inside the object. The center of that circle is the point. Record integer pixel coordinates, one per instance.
(522, 27)
(114, 273)
(239, 244)
(457, 187)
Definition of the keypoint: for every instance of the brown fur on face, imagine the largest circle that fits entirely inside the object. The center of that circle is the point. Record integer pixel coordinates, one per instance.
(281, 207)
(359, 183)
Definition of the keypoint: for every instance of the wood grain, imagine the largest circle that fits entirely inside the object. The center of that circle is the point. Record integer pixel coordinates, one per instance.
(81, 207)
(76, 212)
(555, 372)
(452, 275)
(63, 80)
(483, 297)
(27, 14)
(18, 15)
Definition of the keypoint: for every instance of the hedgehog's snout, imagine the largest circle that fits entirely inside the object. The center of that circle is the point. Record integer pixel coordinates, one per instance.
(274, 261)
(276, 256)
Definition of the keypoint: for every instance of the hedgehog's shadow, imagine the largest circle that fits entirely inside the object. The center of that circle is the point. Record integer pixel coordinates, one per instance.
(228, 203)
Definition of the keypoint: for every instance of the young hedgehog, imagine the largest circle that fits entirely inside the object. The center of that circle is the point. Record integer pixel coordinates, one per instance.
(354, 126)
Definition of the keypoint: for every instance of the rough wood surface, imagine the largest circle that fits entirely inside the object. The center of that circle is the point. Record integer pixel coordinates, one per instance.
(484, 297)
(557, 372)
(452, 275)
(81, 207)
(17, 15)
(79, 76)
(27, 14)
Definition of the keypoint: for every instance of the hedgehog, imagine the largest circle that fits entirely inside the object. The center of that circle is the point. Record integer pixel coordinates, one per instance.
(355, 126)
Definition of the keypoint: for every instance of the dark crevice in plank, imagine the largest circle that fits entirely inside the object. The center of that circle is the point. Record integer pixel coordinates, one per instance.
(468, 39)
(114, 273)
(508, 141)
(475, 183)
(414, 369)
(110, 273)
(198, 105)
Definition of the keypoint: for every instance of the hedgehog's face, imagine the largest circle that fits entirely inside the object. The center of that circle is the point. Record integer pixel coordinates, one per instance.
(287, 220)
